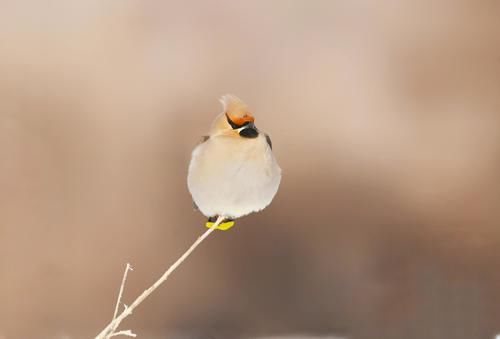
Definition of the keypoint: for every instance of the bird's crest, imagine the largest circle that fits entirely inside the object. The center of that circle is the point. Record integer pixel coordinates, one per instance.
(232, 104)
(235, 109)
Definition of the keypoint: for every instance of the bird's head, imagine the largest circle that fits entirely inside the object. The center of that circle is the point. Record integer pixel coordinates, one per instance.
(235, 120)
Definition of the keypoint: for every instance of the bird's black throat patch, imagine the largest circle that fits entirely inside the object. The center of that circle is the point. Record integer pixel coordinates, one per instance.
(249, 132)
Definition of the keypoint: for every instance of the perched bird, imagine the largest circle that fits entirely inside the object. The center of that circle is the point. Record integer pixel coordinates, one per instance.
(233, 171)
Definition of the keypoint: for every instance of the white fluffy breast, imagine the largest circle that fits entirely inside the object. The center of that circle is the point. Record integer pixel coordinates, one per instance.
(233, 176)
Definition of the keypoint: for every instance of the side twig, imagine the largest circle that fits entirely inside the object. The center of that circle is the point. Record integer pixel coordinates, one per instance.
(127, 333)
(110, 329)
(124, 279)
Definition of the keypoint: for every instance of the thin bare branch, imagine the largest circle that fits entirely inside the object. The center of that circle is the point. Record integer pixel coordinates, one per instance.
(110, 329)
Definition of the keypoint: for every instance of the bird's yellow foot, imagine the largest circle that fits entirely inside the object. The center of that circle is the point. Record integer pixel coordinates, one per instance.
(223, 226)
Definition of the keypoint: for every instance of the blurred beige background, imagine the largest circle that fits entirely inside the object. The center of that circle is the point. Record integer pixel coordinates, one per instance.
(385, 117)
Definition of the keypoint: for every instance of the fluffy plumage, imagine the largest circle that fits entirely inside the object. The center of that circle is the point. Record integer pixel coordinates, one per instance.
(234, 171)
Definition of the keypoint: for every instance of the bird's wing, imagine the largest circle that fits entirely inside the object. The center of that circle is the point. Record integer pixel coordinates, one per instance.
(203, 139)
(269, 142)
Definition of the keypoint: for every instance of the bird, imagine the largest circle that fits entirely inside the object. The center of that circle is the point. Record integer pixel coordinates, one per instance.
(233, 171)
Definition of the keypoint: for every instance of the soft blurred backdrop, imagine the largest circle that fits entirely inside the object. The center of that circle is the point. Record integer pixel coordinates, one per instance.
(385, 117)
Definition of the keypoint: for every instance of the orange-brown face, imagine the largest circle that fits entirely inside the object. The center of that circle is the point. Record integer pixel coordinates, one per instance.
(240, 120)
(243, 126)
